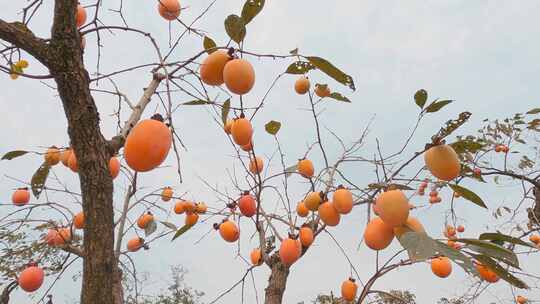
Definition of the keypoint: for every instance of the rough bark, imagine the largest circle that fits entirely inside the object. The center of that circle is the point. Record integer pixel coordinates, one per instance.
(90, 148)
(534, 212)
(118, 289)
(277, 281)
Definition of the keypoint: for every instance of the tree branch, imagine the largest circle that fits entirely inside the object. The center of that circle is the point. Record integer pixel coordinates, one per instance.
(19, 35)
(118, 141)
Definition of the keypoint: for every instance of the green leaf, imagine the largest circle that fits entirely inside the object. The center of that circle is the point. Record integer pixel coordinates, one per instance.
(468, 195)
(399, 186)
(299, 67)
(235, 28)
(181, 231)
(437, 105)
(13, 154)
(420, 97)
(492, 250)
(491, 236)
(225, 111)
(272, 127)
(422, 247)
(339, 97)
(290, 170)
(150, 228)
(251, 9)
(209, 44)
(198, 102)
(500, 271)
(169, 225)
(467, 145)
(534, 111)
(326, 67)
(39, 178)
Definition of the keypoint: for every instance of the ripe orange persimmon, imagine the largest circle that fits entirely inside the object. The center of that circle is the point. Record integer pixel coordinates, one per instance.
(228, 126)
(191, 218)
(201, 208)
(306, 236)
(412, 224)
(328, 213)
(114, 167)
(148, 144)
(349, 289)
(145, 220)
(521, 300)
(301, 86)
(256, 257)
(64, 156)
(305, 168)
(378, 235)
(242, 131)
(239, 76)
(393, 207)
(450, 231)
(72, 163)
(313, 200)
(535, 238)
(135, 244)
(20, 197)
(486, 273)
(57, 237)
(167, 194)
(343, 200)
(31, 278)
(256, 165)
(247, 205)
(52, 156)
(302, 210)
(290, 251)
(78, 220)
(322, 90)
(229, 231)
(443, 162)
(212, 68)
(180, 207)
(80, 18)
(169, 9)
(441, 266)
(247, 147)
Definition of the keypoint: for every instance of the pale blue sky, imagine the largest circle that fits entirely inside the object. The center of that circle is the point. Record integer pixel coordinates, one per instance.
(483, 54)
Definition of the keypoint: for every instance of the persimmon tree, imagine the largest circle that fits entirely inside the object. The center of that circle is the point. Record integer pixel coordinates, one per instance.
(285, 210)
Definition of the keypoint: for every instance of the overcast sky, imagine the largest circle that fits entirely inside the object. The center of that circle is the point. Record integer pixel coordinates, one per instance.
(482, 54)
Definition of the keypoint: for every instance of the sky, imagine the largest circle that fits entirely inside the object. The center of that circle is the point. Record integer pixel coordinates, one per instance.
(482, 54)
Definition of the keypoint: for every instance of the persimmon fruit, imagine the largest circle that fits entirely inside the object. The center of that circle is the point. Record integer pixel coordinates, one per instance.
(305, 168)
(169, 9)
(290, 251)
(378, 235)
(239, 76)
(20, 197)
(31, 278)
(443, 162)
(393, 207)
(148, 144)
(212, 69)
(229, 231)
(301, 86)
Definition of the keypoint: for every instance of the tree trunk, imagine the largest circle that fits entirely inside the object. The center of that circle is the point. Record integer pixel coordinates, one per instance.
(91, 150)
(277, 281)
(118, 289)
